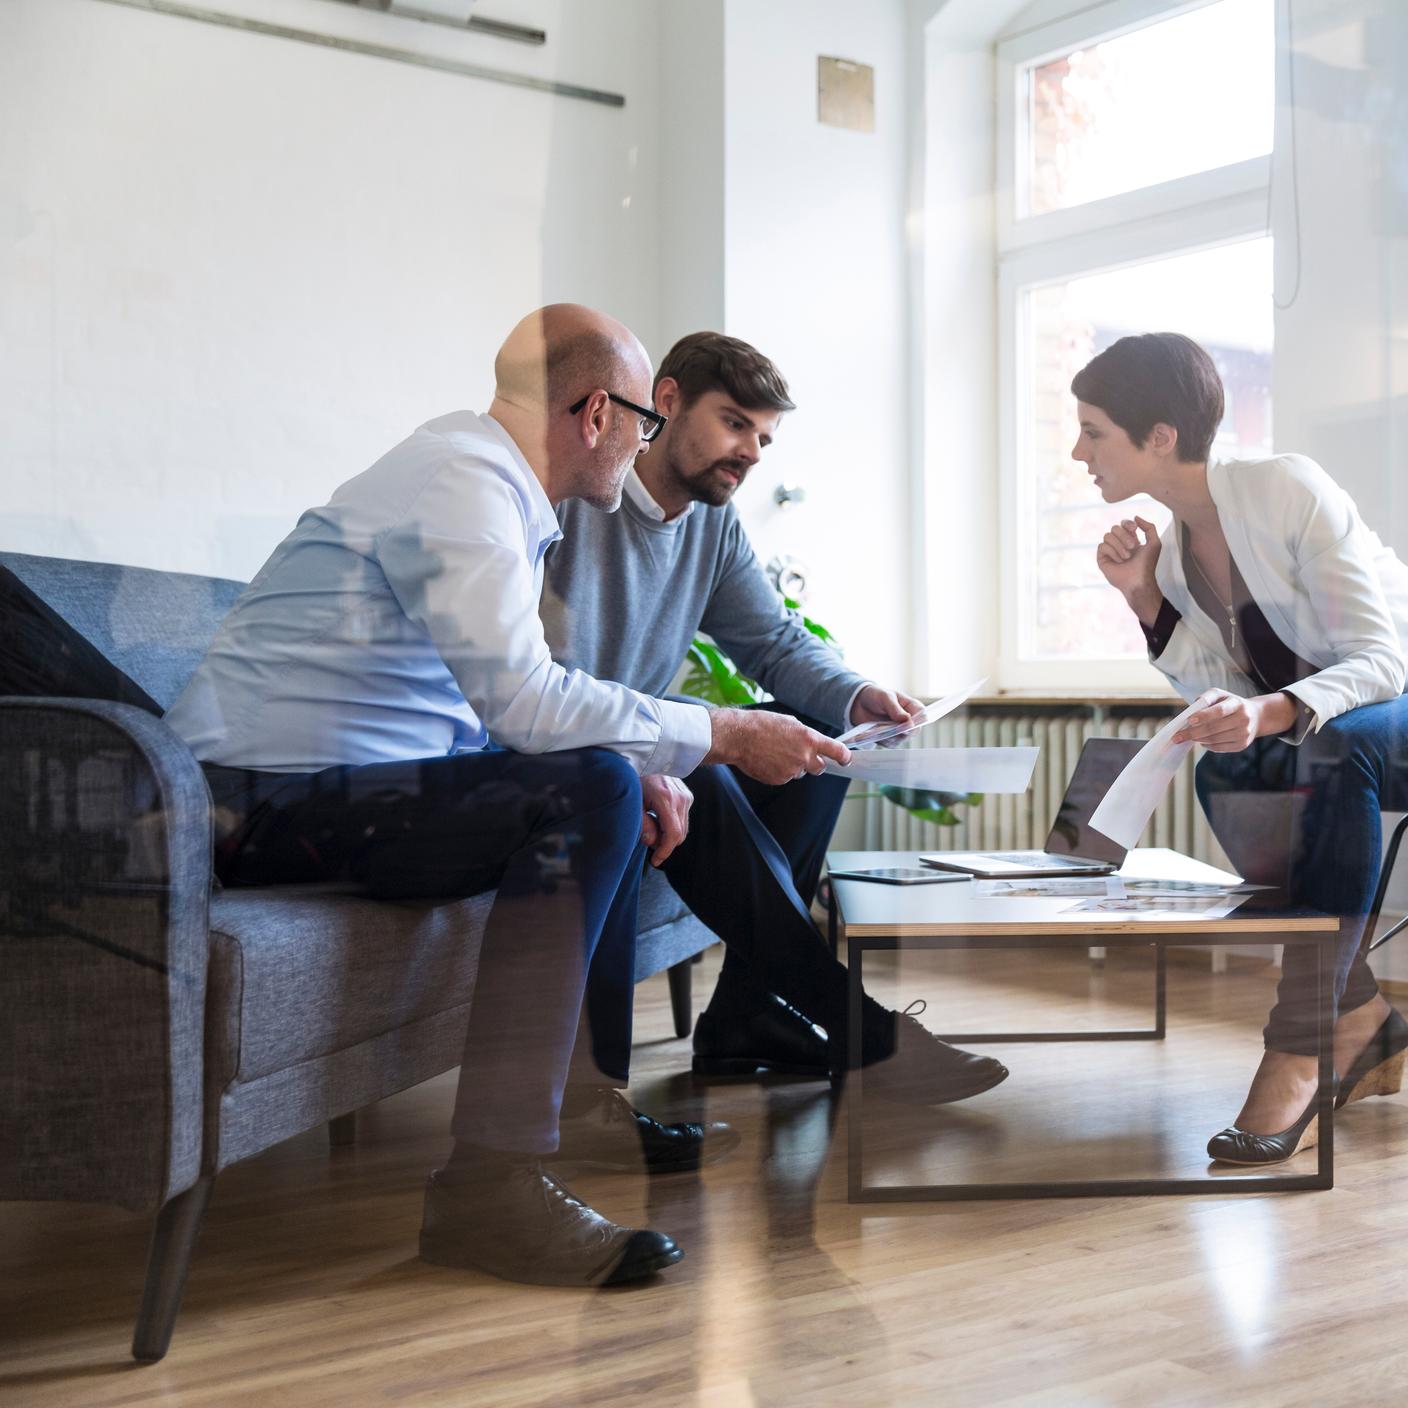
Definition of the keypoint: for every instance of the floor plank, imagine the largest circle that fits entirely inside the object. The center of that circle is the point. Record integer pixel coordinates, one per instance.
(305, 1290)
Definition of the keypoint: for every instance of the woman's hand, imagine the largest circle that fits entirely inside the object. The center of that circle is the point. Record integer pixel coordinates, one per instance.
(1128, 564)
(1226, 723)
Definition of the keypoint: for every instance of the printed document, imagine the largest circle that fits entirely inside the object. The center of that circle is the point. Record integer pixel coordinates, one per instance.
(881, 735)
(943, 769)
(1125, 810)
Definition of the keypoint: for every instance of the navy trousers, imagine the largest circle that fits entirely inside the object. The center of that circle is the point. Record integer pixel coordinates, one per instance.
(1354, 767)
(556, 833)
(748, 869)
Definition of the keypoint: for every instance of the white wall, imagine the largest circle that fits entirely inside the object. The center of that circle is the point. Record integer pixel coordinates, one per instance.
(236, 268)
(815, 275)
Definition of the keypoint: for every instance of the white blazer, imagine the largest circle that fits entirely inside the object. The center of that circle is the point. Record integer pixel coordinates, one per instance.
(1330, 589)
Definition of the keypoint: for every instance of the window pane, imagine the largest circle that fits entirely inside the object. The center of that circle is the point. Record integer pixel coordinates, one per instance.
(1219, 297)
(1184, 95)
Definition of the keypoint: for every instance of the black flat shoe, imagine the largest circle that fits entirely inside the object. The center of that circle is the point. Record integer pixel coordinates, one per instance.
(1241, 1146)
(1379, 1069)
(772, 1036)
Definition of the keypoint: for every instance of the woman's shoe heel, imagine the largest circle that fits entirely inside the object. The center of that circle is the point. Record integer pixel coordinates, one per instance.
(1379, 1069)
(1385, 1079)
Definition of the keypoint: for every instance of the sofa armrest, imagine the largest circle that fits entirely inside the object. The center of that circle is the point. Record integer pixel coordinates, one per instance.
(104, 898)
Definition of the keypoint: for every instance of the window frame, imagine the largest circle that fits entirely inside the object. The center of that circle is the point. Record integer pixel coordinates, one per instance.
(1224, 205)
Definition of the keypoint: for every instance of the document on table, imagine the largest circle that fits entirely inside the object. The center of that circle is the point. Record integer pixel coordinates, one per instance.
(1162, 906)
(1125, 809)
(1106, 886)
(943, 769)
(880, 735)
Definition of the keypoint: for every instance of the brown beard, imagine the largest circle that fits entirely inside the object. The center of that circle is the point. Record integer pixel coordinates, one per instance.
(705, 489)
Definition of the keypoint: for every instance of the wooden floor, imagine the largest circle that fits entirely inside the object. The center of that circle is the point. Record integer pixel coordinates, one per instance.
(305, 1288)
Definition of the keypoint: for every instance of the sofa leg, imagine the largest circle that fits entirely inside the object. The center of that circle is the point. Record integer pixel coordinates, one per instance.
(342, 1131)
(681, 996)
(177, 1226)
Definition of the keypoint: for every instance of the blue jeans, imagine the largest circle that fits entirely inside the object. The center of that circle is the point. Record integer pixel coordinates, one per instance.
(1354, 767)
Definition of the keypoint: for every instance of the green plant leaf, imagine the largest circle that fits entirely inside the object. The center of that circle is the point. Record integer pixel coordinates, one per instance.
(937, 807)
(815, 627)
(714, 677)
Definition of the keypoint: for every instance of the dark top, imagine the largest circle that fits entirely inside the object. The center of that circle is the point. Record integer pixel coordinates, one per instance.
(1255, 649)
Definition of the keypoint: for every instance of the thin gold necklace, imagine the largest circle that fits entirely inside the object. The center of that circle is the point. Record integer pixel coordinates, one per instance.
(1227, 606)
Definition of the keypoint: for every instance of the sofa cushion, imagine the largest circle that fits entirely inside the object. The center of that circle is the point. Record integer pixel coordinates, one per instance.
(300, 971)
(153, 626)
(659, 904)
(42, 655)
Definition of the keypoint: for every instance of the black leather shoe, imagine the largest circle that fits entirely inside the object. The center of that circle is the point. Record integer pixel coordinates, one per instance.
(770, 1036)
(512, 1219)
(1241, 1146)
(610, 1135)
(926, 1071)
(1379, 1069)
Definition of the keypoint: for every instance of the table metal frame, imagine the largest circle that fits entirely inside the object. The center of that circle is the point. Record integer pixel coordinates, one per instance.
(1202, 934)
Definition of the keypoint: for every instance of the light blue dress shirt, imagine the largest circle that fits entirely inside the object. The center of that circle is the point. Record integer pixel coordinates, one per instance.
(401, 621)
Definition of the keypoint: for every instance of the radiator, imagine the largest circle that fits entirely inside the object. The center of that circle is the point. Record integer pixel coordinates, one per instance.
(1023, 820)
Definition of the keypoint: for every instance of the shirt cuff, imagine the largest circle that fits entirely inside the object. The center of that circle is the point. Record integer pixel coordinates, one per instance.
(1304, 724)
(848, 721)
(686, 735)
(1161, 632)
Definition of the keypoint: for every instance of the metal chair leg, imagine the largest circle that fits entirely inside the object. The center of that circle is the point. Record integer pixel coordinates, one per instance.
(682, 996)
(1381, 892)
(174, 1237)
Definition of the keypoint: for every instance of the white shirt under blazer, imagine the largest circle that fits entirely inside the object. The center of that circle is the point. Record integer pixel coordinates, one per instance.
(1328, 586)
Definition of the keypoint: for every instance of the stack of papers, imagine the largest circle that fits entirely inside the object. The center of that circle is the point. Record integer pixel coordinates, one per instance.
(877, 757)
(1162, 906)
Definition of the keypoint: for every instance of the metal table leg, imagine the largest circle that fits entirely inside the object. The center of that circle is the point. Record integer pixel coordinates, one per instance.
(1323, 1178)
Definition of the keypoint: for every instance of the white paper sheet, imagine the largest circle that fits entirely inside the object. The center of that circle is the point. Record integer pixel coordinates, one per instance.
(875, 735)
(1125, 809)
(1161, 907)
(944, 769)
(1105, 886)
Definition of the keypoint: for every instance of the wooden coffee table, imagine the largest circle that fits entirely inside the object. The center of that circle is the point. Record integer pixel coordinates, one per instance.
(875, 917)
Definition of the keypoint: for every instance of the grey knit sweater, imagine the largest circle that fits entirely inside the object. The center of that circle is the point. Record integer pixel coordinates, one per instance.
(624, 595)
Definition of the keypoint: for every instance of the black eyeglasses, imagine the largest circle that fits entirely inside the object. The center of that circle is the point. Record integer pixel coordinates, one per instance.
(651, 422)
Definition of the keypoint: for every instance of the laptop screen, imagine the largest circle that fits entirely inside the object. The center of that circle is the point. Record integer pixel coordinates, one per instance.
(1101, 762)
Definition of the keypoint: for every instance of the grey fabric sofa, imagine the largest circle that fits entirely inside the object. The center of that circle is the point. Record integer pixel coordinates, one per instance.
(153, 1031)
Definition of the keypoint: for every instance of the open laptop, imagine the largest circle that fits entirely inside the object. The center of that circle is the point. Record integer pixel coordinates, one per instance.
(1073, 847)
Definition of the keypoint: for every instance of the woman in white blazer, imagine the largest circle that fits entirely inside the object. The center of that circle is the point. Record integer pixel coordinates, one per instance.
(1268, 601)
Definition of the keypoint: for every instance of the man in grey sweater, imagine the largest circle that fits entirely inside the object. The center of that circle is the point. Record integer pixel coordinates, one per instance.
(624, 595)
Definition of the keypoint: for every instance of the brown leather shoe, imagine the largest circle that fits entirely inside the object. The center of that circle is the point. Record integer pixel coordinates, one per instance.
(924, 1070)
(609, 1135)
(512, 1219)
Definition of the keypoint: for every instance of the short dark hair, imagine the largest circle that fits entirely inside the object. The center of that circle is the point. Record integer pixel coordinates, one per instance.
(1156, 376)
(710, 361)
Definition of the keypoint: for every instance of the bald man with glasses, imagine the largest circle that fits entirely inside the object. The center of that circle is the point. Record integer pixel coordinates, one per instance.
(380, 707)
